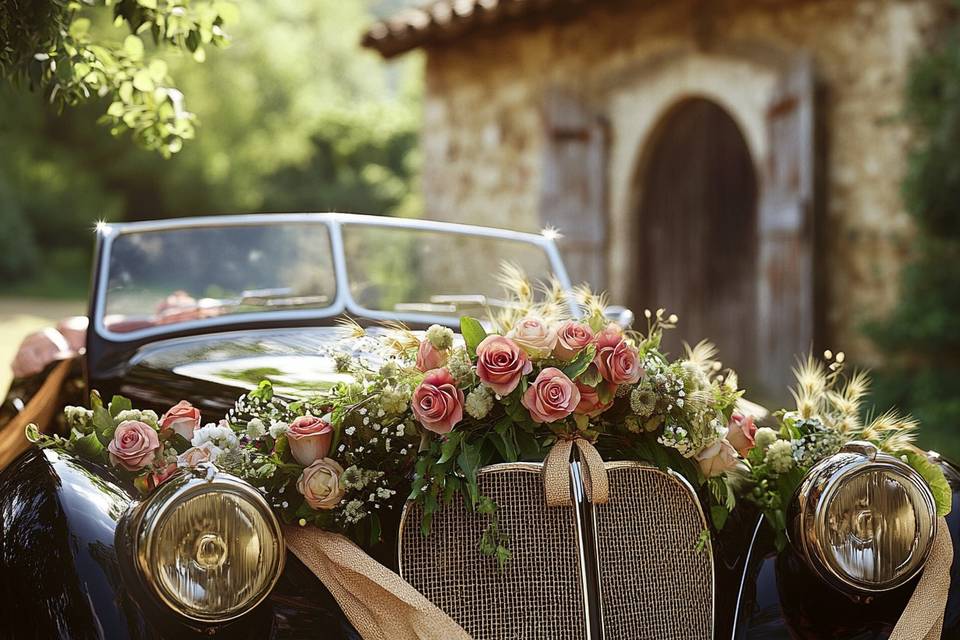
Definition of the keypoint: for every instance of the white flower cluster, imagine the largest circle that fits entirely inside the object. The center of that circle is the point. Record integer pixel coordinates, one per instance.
(78, 417)
(147, 416)
(479, 402)
(440, 337)
(676, 437)
(217, 438)
(779, 456)
(277, 429)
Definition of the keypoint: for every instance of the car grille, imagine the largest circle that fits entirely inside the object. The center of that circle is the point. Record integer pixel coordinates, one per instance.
(653, 582)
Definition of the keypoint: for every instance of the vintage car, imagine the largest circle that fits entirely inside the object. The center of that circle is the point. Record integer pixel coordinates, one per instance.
(202, 309)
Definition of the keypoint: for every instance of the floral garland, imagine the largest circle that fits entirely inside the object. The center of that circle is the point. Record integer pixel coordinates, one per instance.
(435, 410)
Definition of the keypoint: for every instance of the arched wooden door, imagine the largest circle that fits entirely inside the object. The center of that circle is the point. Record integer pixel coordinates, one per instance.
(696, 248)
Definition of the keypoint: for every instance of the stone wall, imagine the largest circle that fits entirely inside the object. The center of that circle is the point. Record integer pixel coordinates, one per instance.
(484, 137)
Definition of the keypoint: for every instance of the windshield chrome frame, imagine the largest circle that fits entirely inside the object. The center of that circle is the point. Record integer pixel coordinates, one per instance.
(342, 303)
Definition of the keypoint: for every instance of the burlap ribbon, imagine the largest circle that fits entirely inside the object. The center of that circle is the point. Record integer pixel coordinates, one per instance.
(922, 618)
(39, 411)
(556, 473)
(379, 604)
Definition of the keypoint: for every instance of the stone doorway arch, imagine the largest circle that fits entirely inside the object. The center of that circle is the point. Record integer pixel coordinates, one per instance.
(696, 230)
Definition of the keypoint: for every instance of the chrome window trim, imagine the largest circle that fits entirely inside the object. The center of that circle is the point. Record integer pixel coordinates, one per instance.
(342, 302)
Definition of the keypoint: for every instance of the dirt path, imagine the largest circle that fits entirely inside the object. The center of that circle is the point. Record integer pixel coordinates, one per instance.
(20, 316)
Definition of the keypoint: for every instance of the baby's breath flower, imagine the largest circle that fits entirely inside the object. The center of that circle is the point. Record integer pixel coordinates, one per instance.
(389, 370)
(479, 402)
(255, 428)
(440, 337)
(779, 456)
(459, 366)
(278, 428)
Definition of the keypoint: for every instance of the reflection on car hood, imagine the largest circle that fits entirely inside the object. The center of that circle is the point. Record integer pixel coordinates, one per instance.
(297, 361)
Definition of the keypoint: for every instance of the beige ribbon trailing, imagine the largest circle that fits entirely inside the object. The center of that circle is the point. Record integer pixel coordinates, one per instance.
(378, 602)
(922, 618)
(39, 410)
(556, 473)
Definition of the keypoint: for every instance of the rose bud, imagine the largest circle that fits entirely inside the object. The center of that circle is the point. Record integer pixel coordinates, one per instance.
(429, 357)
(717, 458)
(320, 484)
(551, 397)
(590, 404)
(437, 402)
(309, 439)
(134, 445)
(741, 432)
(572, 337)
(183, 418)
(501, 363)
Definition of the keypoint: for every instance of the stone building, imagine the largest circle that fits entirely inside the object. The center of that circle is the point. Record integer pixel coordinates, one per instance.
(735, 161)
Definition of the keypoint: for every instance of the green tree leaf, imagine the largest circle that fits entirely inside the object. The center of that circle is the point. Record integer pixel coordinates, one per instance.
(933, 475)
(581, 363)
(118, 404)
(449, 447)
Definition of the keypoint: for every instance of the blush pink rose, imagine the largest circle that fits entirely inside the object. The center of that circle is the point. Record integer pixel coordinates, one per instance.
(437, 402)
(534, 336)
(183, 418)
(429, 357)
(572, 337)
(717, 458)
(134, 445)
(616, 360)
(309, 439)
(551, 397)
(741, 432)
(320, 484)
(590, 404)
(501, 363)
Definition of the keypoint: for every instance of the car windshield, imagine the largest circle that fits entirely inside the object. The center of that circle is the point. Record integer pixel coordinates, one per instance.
(215, 270)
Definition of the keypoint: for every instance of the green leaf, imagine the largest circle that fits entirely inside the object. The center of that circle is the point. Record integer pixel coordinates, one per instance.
(718, 514)
(591, 376)
(89, 446)
(933, 475)
(103, 422)
(504, 441)
(469, 463)
(581, 363)
(375, 528)
(118, 404)
(449, 448)
(473, 333)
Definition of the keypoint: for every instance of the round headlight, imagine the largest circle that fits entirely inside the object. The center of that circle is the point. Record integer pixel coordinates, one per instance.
(864, 519)
(208, 545)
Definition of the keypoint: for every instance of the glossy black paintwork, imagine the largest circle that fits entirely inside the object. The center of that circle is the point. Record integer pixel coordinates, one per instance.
(63, 574)
(783, 599)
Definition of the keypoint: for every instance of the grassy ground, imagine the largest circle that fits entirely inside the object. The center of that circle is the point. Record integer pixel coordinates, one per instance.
(20, 316)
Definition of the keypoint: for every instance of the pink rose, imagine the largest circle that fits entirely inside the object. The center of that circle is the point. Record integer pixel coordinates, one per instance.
(309, 439)
(183, 418)
(740, 432)
(195, 455)
(616, 360)
(160, 476)
(717, 458)
(501, 364)
(437, 402)
(320, 484)
(572, 337)
(429, 357)
(590, 404)
(534, 337)
(551, 396)
(134, 445)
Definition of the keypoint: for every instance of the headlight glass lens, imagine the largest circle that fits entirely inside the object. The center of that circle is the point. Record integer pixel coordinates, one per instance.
(210, 549)
(866, 520)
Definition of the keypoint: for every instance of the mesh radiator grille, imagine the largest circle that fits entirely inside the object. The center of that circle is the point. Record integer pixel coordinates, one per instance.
(538, 595)
(654, 582)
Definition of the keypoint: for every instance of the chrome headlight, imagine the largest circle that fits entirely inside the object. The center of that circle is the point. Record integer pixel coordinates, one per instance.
(208, 545)
(864, 519)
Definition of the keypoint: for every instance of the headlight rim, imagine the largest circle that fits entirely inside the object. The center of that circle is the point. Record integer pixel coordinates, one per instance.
(818, 488)
(177, 490)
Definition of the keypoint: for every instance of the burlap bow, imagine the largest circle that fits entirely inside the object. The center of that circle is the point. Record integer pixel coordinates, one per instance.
(556, 473)
(379, 604)
(922, 618)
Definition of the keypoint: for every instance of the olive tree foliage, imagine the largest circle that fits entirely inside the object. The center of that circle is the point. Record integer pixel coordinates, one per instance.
(60, 47)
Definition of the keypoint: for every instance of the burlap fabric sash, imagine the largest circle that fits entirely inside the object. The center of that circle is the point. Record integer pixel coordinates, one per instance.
(922, 618)
(379, 604)
(556, 473)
